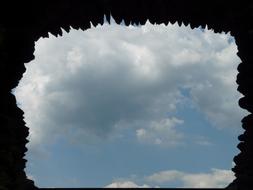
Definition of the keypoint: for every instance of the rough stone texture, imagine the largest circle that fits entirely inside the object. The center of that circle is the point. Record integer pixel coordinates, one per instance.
(21, 24)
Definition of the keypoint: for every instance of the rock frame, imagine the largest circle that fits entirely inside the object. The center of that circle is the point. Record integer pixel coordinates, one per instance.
(23, 23)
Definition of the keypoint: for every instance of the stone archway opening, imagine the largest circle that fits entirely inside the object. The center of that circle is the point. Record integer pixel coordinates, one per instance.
(31, 22)
(74, 56)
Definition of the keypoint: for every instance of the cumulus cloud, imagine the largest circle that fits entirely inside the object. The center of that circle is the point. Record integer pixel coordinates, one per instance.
(125, 184)
(216, 178)
(87, 85)
(161, 133)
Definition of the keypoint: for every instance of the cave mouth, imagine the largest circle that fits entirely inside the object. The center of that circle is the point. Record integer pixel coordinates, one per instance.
(140, 73)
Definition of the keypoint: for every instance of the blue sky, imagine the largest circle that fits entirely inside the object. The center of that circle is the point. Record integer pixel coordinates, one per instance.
(146, 106)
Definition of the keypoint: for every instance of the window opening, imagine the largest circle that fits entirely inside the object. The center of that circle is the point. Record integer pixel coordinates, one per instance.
(137, 106)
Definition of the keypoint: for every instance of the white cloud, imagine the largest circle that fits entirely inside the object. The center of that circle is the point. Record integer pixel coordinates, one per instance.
(125, 184)
(161, 133)
(84, 84)
(216, 178)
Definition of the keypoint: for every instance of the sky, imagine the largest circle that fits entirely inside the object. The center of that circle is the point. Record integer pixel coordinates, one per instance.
(137, 106)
